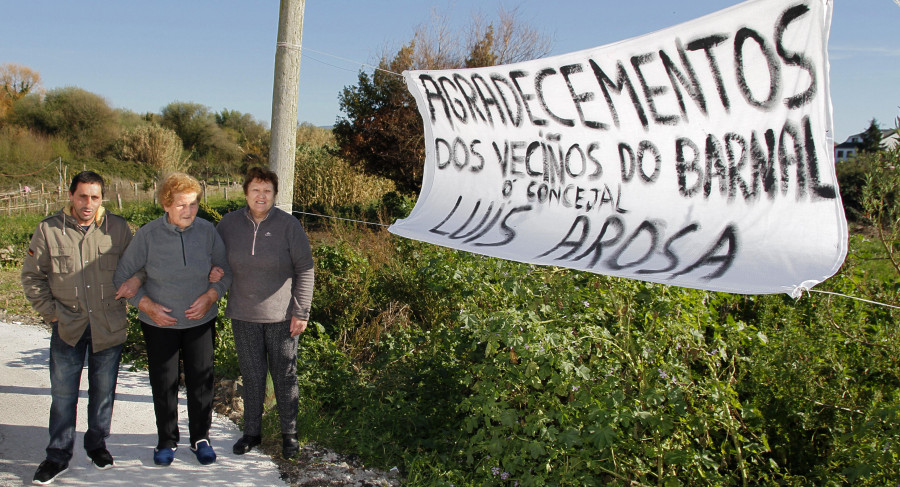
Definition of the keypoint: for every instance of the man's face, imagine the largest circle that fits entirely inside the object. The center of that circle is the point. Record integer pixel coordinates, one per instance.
(86, 201)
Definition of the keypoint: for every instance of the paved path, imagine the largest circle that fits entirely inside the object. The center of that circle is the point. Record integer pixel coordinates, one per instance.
(24, 412)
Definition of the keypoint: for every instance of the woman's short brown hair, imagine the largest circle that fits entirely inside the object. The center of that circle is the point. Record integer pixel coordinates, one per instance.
(175, 183)
(262, 175)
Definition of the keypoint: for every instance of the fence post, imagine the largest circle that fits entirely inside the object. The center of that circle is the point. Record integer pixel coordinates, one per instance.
(119, 200)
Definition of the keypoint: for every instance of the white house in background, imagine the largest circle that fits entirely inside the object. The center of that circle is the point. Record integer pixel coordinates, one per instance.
(850, 147)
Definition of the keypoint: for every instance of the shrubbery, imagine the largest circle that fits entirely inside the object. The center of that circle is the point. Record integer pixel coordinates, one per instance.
(466, 370)
(478, 371)
(503, 372)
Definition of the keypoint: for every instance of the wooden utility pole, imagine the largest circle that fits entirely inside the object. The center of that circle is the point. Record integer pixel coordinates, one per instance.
(282, 154)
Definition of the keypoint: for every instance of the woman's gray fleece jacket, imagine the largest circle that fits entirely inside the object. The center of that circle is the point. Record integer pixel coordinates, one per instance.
(177, 263)
(272, 264)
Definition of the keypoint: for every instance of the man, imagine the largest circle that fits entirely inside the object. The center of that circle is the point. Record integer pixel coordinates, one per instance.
(68, 278)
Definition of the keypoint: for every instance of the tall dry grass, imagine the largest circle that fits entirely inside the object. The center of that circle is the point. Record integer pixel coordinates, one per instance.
(322, 178)
(23, 151)
(155, 146)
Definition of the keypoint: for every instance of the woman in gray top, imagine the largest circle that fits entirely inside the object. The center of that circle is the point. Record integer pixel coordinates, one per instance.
(268, 304)
(178, 311)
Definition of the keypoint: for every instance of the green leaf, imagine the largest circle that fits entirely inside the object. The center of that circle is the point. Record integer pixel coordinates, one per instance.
(509, 417)
(570, 438)
(583, 372)
(604, 438)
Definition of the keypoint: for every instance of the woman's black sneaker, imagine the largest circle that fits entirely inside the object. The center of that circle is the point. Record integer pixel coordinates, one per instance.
(289, 446)
(245, 444)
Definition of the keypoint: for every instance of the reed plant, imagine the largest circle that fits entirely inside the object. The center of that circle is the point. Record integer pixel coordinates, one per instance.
(321, 178)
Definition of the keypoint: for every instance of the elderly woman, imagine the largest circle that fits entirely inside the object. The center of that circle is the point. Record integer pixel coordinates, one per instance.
(268, 304)
(178, 310)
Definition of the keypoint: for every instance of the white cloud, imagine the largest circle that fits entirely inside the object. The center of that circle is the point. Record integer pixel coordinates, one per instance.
(845, 52)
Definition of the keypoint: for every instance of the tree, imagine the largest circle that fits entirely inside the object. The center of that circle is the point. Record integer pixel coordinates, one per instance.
(16, 81)
(871, 138)
(192, 122)
(211, 148)
(509, 41)
(154, 146)
(251, 136)
(84, 119)
(382, 130)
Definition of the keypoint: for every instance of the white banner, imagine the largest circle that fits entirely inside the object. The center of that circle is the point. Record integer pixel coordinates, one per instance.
(699, 156)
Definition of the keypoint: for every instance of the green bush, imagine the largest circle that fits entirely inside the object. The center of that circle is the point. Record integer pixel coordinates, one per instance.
(467, 370)
(496, 373)
(851, 177)
(321, 177)
(342, 289)
(15, 234)
(139, 214)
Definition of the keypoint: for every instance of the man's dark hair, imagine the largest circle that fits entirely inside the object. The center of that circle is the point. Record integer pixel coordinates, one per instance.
(263, 175)
(87, 177)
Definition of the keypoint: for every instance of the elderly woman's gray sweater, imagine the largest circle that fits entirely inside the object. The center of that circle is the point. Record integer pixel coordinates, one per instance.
(177, 263)
(272, 264)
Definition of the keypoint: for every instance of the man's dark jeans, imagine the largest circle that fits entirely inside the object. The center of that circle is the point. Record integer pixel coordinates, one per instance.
(66, 364)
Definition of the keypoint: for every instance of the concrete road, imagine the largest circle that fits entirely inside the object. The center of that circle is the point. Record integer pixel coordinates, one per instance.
(24, 413)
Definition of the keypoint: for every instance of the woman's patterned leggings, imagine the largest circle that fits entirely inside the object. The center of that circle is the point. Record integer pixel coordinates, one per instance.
(263, 347)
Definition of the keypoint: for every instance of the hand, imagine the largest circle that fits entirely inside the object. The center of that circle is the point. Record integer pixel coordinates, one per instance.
(216, 274)
(157, 312)
(201, 305)
(128, 288)
(298, 326)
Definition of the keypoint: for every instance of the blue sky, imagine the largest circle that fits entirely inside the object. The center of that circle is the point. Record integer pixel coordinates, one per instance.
(143, 55)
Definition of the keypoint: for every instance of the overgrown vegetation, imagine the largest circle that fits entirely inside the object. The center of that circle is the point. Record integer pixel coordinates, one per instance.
(39, 131)
(476, 371)
(466, 370)
(324, 180)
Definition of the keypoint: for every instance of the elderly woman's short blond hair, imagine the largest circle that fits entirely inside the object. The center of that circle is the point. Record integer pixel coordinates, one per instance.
(176, 183)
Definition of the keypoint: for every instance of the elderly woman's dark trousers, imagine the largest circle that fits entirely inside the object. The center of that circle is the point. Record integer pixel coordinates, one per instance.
(262, 348)
(196, 345)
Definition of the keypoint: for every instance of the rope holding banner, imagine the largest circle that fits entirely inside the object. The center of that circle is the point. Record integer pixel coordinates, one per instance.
(808, 291)
(339, 218)
(797, 293)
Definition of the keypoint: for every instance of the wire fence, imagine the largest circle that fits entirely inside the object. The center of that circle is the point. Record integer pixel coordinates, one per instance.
(46, 199)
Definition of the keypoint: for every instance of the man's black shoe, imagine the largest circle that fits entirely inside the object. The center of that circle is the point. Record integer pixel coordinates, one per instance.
(289, 446)
(48, 471)
(101, 458)
(245, 444)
